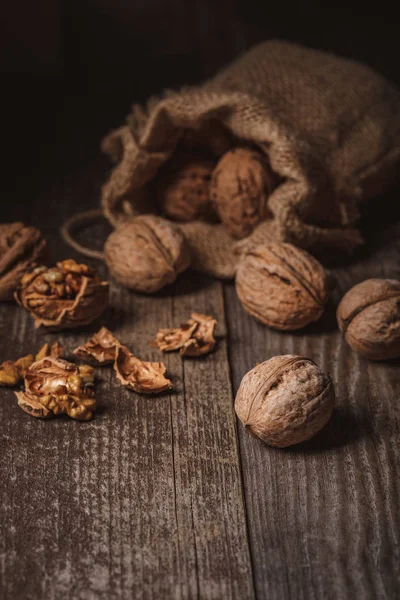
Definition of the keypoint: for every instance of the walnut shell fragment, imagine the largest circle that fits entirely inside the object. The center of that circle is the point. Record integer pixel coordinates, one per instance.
(60, 387)
(32, 406)
(183, 188)
(193, 338)
(241, 185)
(138, 375)
(369, 318)
(63, 297)
(285, 400)
(282, 286)
(147, 253)
(99, 350)
(21, 247)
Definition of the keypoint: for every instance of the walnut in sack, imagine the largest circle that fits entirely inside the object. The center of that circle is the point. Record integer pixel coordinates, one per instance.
(369, 317)
(59, 387)
(99, 350)
(193, 338)
(241, 184)
(63, 297)
(21, 247)
(183, 189)
(138, 375)
(282, 286)
(285, 400)
(146, 253)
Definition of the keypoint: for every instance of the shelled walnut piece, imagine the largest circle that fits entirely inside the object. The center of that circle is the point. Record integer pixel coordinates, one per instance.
(282, 286)
(146, 253)
(59, 387)
(193, 338)
(12, 371)
(63, 297)
(285, 400)
(369, 318)
(241, 185)
(21, 248)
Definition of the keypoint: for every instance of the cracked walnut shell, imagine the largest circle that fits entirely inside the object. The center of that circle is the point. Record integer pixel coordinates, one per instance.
(63, 297)
(193, 338)
(146, 253)
(369, 318)
(241, 185)
(282, 286)
(139, 375)
(21, 247)
(285, 400)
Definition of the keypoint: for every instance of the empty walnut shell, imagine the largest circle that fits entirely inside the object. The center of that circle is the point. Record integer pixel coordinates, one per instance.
(241, 184)
(21, 247)
(285, 400)
(63, 297)
(282, 286)
(369, 317)
(183, 189)
(146, 253)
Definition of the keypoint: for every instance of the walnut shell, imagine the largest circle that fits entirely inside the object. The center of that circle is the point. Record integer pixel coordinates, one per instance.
(285, 400)
(183, 189)
(241, 184)
(63, 297)
(146, 253)
(282, 286)
(369, 317)
(21, 247)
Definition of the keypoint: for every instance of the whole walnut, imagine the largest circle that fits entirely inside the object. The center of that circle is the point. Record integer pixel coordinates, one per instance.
(21, 247)
(183, 189)
(63, 297)
(147, 253)
(241, 184)
(282, 286)
(285, 400)
(369, 317)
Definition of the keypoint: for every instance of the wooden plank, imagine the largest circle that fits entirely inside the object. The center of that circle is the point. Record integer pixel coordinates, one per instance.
(323, 517)
(146, 500)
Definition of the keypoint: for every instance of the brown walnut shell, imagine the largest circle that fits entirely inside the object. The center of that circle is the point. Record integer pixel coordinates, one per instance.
(21, 247)
(183, 189)
(285, 400)
(369, 317)
(240, 187)
(146, 253)
(63, 297)
(282, 286)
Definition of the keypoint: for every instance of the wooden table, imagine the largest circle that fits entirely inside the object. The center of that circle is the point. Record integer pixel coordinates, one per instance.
(168, 497)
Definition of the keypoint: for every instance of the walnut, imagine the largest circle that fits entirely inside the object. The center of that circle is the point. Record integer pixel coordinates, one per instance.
(56, 351)
(285, 400)
(12, 371)
(138, 375)
(193, 338)
(99, 350)
(282, 286)
(241, 184)
(183, 188)
(63, 297)
(369, 317)
(21, 247)
(60, 387)
(146, 253)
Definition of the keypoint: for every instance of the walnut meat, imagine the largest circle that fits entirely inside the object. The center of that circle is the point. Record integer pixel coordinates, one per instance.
(21, 247)
(282, 286)
(285, 400)
(146, 253)
(183, 189)
(369, 317)
(241, 184)
(63, 297)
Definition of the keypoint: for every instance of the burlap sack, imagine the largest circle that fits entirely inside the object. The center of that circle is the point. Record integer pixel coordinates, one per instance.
(330, 128)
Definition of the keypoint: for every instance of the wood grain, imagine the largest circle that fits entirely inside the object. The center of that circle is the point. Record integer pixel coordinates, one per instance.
(323, 517)
(146, 500)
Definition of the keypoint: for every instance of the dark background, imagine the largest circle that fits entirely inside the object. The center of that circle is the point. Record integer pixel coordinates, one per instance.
(70, 70)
